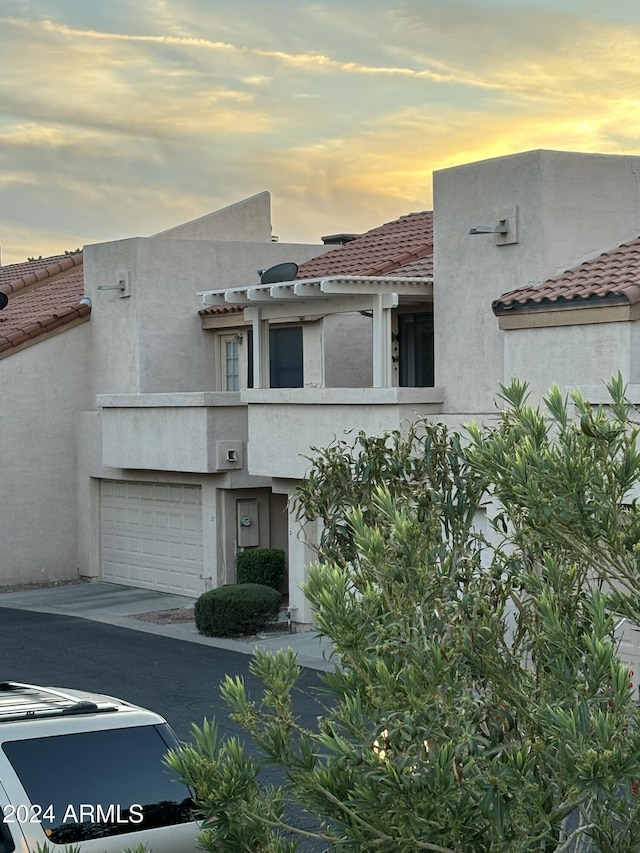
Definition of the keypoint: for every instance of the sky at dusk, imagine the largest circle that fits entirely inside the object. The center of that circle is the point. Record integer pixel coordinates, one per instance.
(123, 118)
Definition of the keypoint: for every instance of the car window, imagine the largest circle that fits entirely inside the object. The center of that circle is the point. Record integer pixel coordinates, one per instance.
(101, 783)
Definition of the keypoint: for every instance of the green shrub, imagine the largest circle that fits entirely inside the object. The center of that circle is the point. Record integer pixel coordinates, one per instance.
(478, 702)
(72, 848)
(236, 609)
(261, 565)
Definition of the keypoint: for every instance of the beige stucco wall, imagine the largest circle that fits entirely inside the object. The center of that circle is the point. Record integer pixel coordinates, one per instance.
(248, 219)
(634, 353)
(150, 345)
(571, 356)
(347, 351)
(570, 206)
(218, 522)
(41, 389)
(151, 341)
(285, 423)
(189, 432)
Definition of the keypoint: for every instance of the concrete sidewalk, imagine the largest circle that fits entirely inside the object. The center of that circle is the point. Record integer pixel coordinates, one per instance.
(118, 605)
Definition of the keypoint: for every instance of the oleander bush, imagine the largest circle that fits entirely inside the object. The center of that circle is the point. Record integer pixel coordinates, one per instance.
(72, 848)
(236, 609)
(261, 565)
(473, 587)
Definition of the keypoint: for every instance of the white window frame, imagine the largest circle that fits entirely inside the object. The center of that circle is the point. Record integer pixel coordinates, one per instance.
(232, 351)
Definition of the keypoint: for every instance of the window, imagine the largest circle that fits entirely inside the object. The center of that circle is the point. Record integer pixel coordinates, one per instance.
(415, 341)
(286, 368)
(231, 362)
(285, 357)
(114, 770)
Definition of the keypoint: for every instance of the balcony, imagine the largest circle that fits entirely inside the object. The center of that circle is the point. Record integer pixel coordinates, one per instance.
(285, 423)
(203, 432)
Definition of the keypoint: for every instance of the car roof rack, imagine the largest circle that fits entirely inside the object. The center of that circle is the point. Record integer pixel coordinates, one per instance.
(29, 701)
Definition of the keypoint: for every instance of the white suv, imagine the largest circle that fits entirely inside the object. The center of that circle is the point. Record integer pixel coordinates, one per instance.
(87, 770)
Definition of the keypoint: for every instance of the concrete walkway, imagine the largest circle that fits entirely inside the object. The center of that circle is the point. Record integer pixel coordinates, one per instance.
(118, 605)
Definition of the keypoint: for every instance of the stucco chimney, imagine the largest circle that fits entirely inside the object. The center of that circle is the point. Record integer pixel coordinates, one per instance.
(338, 239)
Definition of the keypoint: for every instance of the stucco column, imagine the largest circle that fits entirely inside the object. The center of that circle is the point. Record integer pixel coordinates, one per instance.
(213, 521)
(260, 347)
(382, 363)
(302, 554)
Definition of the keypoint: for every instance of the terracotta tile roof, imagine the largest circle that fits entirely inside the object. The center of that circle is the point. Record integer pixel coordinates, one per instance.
(221, 309)
(613, 277)
(420, 268)
(16, 277)
(386, 250)
(403, 247)
(44, 295)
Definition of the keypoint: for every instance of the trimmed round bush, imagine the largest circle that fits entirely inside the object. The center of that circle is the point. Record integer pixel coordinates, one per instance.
(261, 565)
(236, 609)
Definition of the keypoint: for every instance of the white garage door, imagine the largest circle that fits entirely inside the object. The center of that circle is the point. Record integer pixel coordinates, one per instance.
(152, 536)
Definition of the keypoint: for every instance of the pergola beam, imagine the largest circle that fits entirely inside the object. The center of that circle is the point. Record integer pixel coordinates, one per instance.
(376, 295)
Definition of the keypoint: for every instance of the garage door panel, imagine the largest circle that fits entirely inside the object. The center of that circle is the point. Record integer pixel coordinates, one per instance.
(133, 545)
(160, 548)
(108, 513)
(134, 572)
(147, 546)
(152, 536)
(121, 571)
(192, 585)
(176, 522)
(191, 522)
(176, 551)
(191, 554)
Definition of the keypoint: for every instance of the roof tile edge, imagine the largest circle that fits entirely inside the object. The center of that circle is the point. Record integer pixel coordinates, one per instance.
(67, 263)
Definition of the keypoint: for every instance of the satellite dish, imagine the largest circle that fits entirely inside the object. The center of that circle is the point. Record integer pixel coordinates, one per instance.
(281, 272)
(4, 300)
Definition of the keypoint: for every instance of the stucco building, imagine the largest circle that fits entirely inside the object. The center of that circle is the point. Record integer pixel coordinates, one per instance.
(180, 424)
(44, 383)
